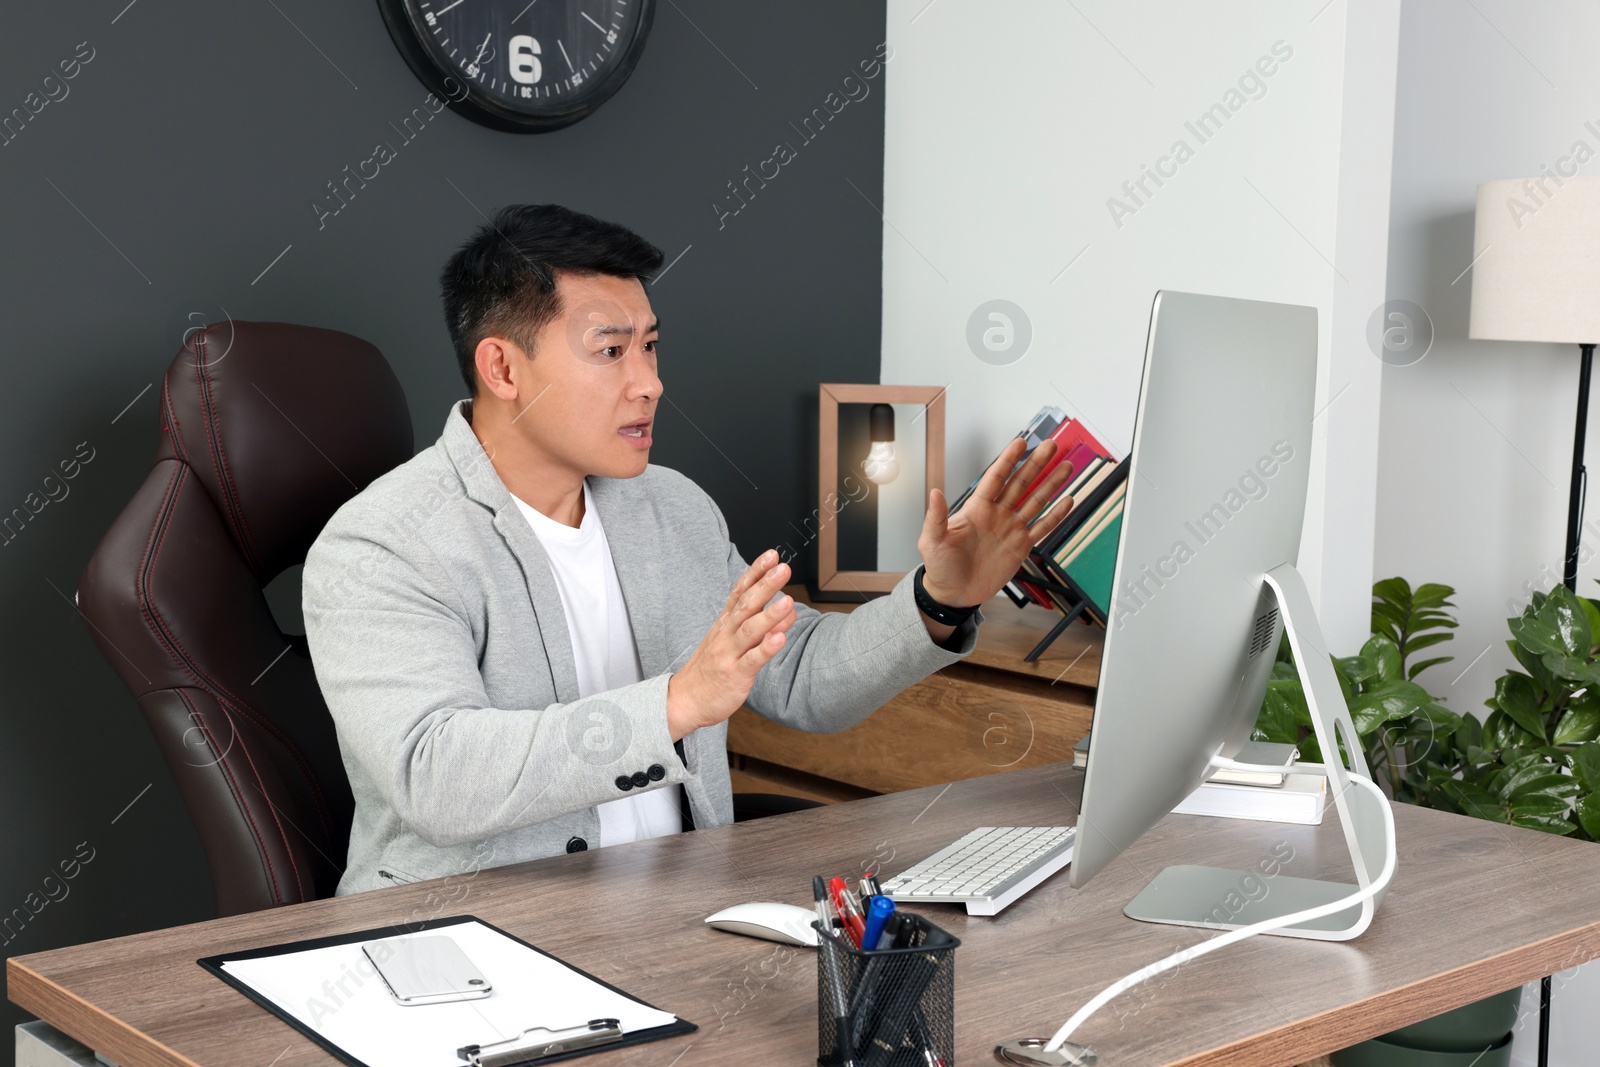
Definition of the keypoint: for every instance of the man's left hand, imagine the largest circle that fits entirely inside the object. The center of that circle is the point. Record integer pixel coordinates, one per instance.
(972, 554)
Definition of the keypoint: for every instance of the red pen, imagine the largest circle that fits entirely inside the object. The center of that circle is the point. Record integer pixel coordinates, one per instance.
(849, 915)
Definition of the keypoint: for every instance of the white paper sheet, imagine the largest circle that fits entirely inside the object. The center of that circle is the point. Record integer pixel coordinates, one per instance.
(336, 993)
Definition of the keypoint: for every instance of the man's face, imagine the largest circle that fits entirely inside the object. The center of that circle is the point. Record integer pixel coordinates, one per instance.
(590, 386)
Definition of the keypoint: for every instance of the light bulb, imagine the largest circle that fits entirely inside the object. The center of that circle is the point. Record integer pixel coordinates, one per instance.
(881, 466)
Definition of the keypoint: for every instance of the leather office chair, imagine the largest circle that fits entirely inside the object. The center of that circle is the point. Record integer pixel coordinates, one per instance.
(266, 429)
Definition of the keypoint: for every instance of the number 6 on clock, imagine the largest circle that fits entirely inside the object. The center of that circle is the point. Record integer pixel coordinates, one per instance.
(563, 58)
(524, 59)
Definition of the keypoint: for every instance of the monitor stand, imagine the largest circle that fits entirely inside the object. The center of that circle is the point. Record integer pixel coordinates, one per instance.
(1220, 899)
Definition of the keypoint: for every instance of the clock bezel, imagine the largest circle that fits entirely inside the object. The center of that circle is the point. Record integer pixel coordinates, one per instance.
(407, 30)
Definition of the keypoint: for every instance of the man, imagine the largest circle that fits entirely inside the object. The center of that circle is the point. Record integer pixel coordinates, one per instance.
(531, 639)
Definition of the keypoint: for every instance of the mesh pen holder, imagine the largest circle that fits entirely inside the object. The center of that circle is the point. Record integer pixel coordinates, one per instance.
(899, 1003)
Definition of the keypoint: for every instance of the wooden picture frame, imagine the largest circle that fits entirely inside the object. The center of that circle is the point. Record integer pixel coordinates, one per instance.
(830, 579)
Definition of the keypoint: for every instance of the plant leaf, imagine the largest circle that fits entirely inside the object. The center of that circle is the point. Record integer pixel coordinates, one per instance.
(1277, 719)
(1577, 725)
(1571, 672)
(1591, 611)
(1387, 619)
(1427, 617)
(1432, 731)
(1291, 690)
(1501, 734)
(1359, 671)
(1547, 783)
(1475, 801)
(1387, 702)
(1421, 641)
(1431, 594)
(1514, 766)
(1477, 757)
(1585, 763)
(1534, 665)
(1588, 813)
(1417, 668)
(1559, 625)
(1394, 590)
(1514, 694)
(1541, 813)
(1384, 657)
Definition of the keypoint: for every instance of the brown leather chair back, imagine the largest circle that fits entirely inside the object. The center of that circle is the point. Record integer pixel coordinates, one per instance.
(266, 429)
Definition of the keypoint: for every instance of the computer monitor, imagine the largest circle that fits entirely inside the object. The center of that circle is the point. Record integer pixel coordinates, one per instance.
(1203, 586)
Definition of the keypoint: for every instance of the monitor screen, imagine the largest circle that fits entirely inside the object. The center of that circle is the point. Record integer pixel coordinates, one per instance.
(1215, 498)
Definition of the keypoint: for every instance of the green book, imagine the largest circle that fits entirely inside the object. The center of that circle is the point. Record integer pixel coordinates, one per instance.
(1094, 565)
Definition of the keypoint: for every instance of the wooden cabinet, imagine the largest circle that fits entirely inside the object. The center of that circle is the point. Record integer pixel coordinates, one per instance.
(991, 712)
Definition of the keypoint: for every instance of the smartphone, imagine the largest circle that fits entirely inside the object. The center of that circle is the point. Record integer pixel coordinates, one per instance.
(426, 970)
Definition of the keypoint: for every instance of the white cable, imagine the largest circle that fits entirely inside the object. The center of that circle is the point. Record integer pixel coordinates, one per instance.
(1178, 959)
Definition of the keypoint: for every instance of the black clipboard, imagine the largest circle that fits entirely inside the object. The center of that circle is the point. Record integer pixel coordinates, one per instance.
(214, 965)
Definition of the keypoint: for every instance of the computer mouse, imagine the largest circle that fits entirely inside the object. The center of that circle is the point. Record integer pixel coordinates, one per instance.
(771, 922)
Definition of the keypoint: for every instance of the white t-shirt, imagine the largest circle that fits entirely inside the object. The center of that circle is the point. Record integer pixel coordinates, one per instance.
(604, 652)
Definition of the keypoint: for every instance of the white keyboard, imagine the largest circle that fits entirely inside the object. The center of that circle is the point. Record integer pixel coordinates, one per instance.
(987, 869)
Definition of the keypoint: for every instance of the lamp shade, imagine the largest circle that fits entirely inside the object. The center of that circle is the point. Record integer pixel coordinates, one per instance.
(1536, 250)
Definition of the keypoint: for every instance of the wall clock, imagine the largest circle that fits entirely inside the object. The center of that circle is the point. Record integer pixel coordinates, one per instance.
(527, 65)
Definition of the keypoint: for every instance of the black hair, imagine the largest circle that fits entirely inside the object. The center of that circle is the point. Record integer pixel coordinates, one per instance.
(502, 282)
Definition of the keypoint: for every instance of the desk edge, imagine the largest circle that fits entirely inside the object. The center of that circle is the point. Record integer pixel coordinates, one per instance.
(1327, 1032)
(83, 1022)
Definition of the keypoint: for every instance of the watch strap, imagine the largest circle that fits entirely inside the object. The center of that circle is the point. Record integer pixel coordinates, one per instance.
(943, 614)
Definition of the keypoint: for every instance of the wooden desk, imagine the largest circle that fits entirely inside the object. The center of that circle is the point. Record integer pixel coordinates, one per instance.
(991, 712)
(1476, 908)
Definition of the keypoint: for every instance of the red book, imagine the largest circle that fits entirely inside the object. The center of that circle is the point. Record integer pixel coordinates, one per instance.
(1036, 594)
(1081, 457)
(1071, 439)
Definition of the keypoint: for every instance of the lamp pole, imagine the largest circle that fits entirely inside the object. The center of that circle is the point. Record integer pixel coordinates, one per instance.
(1569, 577)
(1580, 474)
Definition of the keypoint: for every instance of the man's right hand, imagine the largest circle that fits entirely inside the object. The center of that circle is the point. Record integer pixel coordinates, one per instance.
(715, 681)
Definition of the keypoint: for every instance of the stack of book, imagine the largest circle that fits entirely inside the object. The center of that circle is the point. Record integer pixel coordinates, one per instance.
(1069, 569)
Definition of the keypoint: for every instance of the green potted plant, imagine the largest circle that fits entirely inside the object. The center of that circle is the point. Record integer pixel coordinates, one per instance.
(1535, 761)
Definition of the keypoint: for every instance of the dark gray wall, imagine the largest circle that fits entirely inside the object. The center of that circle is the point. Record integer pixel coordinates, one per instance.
(186, 155)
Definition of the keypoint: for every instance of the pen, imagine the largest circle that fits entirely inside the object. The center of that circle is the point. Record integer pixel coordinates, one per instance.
(891, 928)
(906, 934)
(869, 885)
(819, 891)
(849, 915)
(832, 978)
(924, 1037)
(879, 909)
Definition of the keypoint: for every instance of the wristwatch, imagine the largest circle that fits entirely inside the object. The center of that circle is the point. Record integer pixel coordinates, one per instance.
(942, 614)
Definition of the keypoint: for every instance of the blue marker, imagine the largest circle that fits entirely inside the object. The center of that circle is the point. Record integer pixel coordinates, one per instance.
(878, 911)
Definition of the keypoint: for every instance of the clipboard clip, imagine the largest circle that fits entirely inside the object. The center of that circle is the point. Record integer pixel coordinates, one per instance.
(591, 1034)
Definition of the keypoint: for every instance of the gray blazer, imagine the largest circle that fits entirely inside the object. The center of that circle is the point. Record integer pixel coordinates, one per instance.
(442, 650)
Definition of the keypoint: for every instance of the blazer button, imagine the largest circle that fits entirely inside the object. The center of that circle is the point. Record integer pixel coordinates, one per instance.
(577, 844)
(624, 782)
(656, 772)
(640, 779)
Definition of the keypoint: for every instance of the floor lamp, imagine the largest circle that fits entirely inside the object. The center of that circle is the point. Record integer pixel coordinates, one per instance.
(1536, 277)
